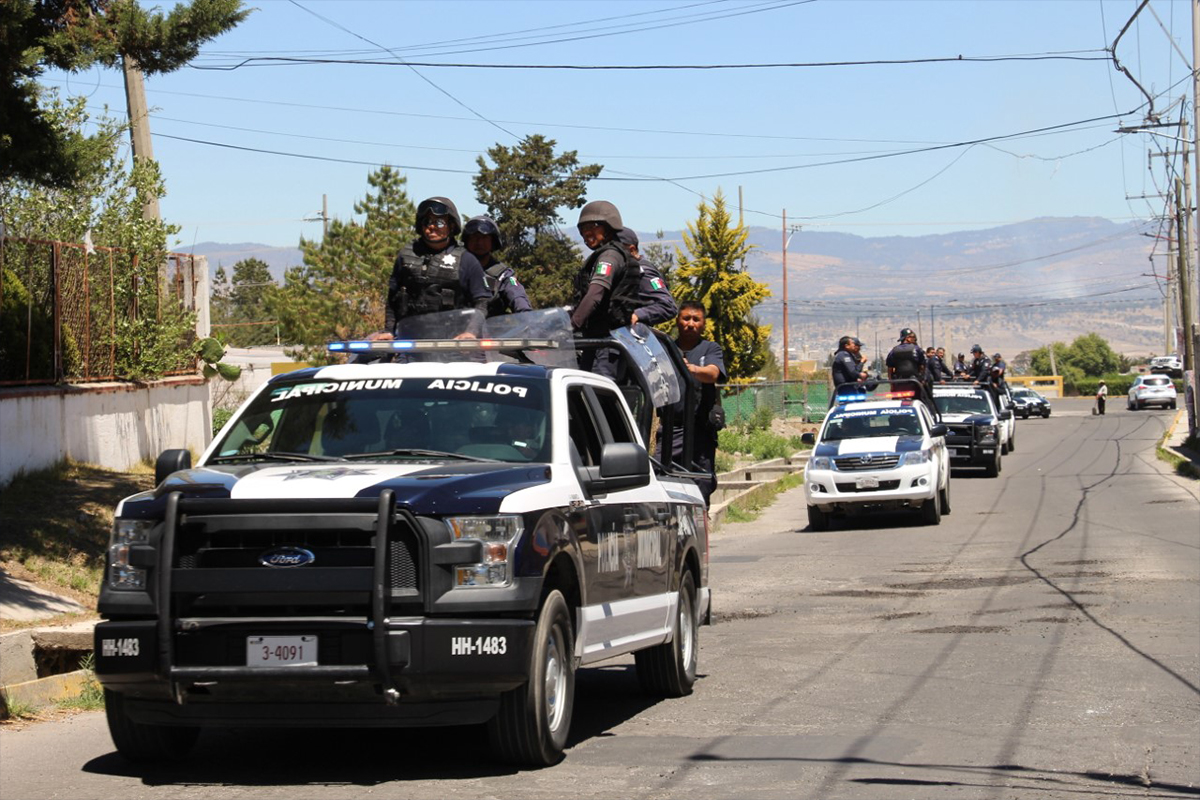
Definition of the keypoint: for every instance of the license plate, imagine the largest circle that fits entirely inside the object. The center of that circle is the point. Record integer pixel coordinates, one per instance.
(867, 483)
(954, 450)
(276, 651)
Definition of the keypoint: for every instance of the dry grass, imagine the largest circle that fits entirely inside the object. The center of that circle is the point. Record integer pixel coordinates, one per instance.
(56, 524)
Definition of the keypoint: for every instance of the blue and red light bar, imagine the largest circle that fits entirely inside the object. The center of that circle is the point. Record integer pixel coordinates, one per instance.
(427, 345)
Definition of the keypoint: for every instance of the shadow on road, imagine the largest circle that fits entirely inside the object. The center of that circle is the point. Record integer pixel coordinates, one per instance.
(605, 697)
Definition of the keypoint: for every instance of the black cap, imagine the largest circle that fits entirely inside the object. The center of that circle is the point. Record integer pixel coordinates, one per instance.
(627, 237)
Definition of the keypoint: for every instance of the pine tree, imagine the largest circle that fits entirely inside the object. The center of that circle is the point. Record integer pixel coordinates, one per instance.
(341, 289)
(709, 273)
(523, 192)
(74, 35)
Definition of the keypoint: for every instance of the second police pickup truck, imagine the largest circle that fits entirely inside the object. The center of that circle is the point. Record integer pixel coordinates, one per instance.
(409, 544)
(978, 434)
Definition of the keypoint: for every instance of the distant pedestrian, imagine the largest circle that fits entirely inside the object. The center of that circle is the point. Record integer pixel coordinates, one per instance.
(1101, 396)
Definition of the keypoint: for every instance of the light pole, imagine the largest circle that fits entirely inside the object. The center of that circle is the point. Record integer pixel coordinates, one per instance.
(787, 237)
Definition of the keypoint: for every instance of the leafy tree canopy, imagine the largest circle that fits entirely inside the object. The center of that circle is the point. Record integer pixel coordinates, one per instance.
(710, 273)
(75, 35)
(239, 306)
(1089, 355)
(523, 191)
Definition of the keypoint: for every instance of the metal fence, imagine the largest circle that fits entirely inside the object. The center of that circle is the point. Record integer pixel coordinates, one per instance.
(803, 401)
(69, 312)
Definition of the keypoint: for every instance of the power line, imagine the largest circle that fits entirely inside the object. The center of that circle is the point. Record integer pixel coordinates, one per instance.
(280, 61)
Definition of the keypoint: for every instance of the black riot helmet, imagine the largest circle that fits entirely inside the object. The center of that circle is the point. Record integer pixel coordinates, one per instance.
(905, 333)
(976, 349)
(442, 207)
(601, 211)
(487, 226)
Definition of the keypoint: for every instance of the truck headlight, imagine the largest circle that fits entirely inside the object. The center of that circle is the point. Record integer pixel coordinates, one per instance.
(918, 456)
(497, 535)
(819, 462)
(127, 532)
(986, 433)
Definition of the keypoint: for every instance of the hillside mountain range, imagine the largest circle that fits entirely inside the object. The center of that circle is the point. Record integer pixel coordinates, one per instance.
(1010, 288)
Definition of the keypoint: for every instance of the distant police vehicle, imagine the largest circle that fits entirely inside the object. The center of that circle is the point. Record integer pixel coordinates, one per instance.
(977, 432)
(878, 448)
(408, 544)
(1171, 365)
(1028, 403)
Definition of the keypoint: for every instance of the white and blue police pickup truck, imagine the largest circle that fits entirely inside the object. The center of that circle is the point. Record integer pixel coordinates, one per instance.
(978, 434)
(879, 448)
(405, 544)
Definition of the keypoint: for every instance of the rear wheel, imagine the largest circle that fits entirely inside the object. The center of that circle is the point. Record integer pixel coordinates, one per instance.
(139, 741)
(1012, 440)
(818, 520)
(669, 669)
(1172, 405)
(532, 723)
(931, 510)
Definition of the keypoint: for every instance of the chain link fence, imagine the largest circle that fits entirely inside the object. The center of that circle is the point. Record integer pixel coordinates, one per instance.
(70, 312)
(797, 401)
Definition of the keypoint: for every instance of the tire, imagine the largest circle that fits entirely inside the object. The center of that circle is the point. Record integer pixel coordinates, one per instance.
(931, 510)
(944, 497)
(1012, 441)
(993, 469)
(1004, 448)
(142, 742)
(1138, 405)
(1172, 406)
(818, 520)
(531, 726)
(1046, 414)
(669, 669)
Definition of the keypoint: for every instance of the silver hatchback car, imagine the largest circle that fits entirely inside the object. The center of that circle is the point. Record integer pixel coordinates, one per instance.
(1151, 390)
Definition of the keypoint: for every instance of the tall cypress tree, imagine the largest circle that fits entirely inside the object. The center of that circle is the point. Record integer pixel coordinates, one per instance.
(709, 272)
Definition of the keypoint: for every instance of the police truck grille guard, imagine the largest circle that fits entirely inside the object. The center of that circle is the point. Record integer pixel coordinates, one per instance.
(213, 586)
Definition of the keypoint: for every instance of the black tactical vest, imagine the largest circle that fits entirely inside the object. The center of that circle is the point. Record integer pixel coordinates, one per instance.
(432, 282)
(904, 360)
(494, 277)
(626, 293)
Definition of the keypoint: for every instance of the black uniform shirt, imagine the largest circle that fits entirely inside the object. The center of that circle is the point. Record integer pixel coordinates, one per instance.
(845, 368)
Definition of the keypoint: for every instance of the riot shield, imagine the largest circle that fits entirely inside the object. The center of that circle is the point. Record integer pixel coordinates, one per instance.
(650, 357)
(548, 323)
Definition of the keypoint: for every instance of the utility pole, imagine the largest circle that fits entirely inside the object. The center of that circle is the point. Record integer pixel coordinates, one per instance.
(932, 328)
(1185, 287)
(785, 296)
(139, 124)
(741, 222)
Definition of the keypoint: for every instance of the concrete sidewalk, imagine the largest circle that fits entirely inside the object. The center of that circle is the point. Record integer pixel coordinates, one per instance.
(1177, 434)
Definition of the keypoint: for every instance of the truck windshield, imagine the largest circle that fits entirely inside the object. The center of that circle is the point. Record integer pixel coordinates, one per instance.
(499, 418)
(962, 404)
(863, 424)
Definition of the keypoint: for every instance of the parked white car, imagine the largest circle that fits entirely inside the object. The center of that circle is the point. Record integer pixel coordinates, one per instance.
(1151, 390)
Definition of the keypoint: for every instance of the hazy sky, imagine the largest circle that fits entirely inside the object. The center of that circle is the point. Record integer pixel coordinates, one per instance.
(872, 149)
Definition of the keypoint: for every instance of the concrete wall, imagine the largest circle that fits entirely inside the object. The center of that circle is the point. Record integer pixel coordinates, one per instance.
(113, 425)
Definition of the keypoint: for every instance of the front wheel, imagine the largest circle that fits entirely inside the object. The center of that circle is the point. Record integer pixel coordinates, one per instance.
(931, 510)
(140, 741)
(1046, 414)
(944, 497)
(993, 468)
(669, 669)
(531, 726)
(1012, 441)
(818, 520)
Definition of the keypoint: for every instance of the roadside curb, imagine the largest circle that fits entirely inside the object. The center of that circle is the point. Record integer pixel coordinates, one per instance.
(39, 666)
(754, 485)
(1174, 442)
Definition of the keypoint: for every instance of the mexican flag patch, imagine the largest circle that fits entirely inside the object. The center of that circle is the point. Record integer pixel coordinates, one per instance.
(604, 269)
(656, 284)
(513, 280)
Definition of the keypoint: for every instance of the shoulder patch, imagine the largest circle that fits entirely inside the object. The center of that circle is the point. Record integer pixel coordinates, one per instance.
(656, 284)
(604, 269)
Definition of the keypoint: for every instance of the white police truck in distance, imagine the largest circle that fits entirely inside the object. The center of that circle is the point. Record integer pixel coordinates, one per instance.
(880, 451)
(404, 544)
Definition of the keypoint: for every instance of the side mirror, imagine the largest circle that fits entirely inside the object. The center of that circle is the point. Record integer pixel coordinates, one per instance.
(808, 437)
(623, 465)
(171, 461)
(1006, 414)
(939, 430)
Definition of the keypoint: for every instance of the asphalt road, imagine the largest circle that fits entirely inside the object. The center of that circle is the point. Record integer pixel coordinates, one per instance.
(1042, 642)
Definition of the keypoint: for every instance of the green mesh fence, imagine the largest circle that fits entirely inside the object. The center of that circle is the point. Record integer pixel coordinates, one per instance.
(804, 401)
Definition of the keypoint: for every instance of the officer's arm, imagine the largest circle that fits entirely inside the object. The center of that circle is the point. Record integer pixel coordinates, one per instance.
(595, 294)
(395, 296)
(515, 297)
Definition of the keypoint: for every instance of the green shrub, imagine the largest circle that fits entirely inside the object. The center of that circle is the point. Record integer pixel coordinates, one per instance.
(1118, 385)
(220, 417)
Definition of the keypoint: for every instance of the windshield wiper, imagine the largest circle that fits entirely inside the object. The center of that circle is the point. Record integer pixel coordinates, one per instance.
(276, 455)
(416, 451)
